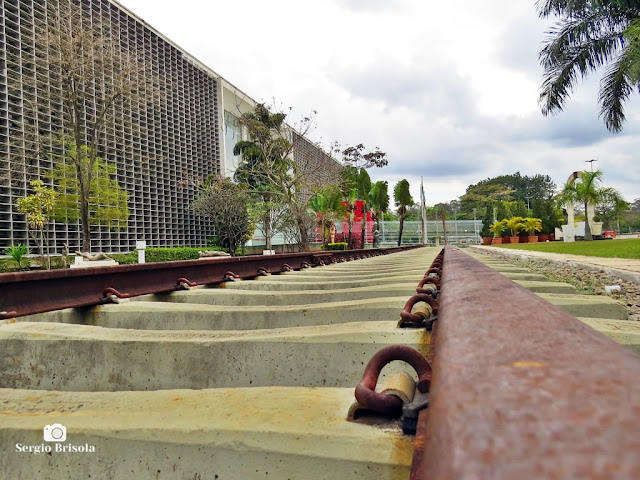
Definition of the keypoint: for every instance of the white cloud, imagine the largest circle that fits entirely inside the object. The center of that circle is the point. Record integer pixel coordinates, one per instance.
(449, 91)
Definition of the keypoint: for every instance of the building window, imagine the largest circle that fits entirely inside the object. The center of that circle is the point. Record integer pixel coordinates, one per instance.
(232, 135)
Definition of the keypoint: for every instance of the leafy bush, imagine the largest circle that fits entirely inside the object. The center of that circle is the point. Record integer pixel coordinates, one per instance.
(514, 224)
(125, 258)
(356, 241)
(497, 228)
(17, 253)
(337, 246)
(7, 265)
(487, 221)
(214, 242)
(531, 225)
(156, 254)
(172, 254)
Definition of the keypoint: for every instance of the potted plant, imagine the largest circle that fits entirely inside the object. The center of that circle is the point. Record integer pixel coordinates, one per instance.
(531, 226)
(497, 228)
(514, 225)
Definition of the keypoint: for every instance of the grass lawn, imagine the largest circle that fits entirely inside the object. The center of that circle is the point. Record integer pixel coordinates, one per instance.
(627, 248)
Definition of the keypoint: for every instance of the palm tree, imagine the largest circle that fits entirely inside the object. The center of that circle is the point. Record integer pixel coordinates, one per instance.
(348, 190)
(497, 228)
(531, 225)
(363, 190)
(379, 200)
(403, 199)
(586, 189)
(590, 35)
(327, 205)
(514, 224)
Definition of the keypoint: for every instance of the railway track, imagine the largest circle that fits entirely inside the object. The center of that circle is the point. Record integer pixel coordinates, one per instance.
(255, 378)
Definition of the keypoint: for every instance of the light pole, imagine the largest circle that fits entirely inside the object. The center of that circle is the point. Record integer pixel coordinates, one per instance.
(455, 220)
(591, 162)
(528, 207)
(475, 226)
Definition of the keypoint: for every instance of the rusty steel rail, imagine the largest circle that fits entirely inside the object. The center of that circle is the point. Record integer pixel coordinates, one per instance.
(26, 293)
(521, 389)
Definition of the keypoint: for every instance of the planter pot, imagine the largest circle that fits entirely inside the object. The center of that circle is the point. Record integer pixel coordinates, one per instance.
(533, 239)
(486, 240)
(523, 239)
(506, 240)
(543, 237)
(514, 239)
(496, 241)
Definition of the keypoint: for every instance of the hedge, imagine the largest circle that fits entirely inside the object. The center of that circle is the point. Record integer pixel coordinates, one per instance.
(337, 246)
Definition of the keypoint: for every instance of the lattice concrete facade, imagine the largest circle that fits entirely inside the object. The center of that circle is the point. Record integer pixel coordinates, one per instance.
(181, 133)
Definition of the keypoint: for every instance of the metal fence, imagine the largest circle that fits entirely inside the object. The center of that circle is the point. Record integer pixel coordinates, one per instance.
(458, 231)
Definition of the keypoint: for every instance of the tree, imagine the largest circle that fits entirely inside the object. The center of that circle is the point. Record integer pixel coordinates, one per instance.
(508, 188)
(349, 189)
(590, 34)
(531, 225)
(37, 209)
(92, 76)
(267, 194)
(497, 228)
(609, 210)
(106, 200)
(225, 204)
(327, 205)
(268, 168)
(630, 218)
(514, 225)
(363, 189)
(379, 200)
(586, 190)
(487, 221)
(403, 200)
(549, 213)
(357, 162)
(632, 36)
(354, 156)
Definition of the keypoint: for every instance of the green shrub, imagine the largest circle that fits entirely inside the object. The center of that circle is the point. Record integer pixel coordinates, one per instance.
(168, 254)
(213, 242)
(17, 253)
(125, 258)
(7, 265)
(337, 246)
(172, 254)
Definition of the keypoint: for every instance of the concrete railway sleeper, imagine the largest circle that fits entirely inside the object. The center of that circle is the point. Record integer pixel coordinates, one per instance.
(238, 378)
(524, 392)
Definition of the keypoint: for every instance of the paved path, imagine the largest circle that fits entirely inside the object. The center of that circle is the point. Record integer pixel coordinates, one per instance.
(625, 268)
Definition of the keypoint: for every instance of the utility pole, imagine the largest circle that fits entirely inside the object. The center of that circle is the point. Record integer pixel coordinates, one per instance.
(475, 227)
(423, 213)
(455, 221)
(528, 207)
(591, 162)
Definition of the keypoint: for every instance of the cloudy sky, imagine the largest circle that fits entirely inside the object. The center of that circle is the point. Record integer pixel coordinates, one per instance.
(447, 89)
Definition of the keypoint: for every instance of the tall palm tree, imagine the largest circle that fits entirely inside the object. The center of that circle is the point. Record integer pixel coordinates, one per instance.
(348, 189)
(363, 191)
(404, 200)
(586, 189)
(327, 205)
(379, 200)
(590, 34)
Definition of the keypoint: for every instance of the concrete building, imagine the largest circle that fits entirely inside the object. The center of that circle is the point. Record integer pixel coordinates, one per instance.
(187, 134)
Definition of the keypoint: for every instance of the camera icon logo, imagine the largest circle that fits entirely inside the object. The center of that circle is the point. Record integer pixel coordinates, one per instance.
(55, 433)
